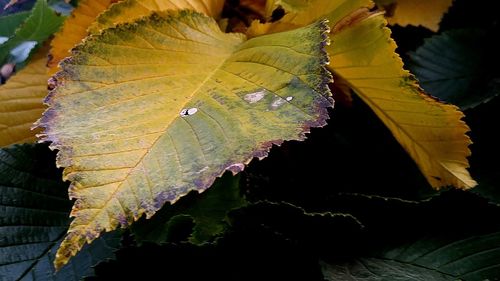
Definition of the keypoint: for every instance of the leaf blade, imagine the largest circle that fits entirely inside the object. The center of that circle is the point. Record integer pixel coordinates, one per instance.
(169, 118)
(433, 134)
(34, 218)
(132, 10)
(21, 101)
(42, 23)
(75, 29)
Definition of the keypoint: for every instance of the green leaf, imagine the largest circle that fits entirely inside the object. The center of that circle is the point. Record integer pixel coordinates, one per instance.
(373, 269)
(42, 23)
(146, 112)
(445, 257)
(208, 211)
(455, 66)
(9, 23)
(34, 213)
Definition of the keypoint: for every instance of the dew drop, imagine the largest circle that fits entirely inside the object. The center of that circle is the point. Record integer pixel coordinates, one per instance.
(188, 111)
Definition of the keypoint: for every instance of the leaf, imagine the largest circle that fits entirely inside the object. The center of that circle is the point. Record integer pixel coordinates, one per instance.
(132, 10)
(9, 23)
(427, 13)
(146, 112)
(302, 12)
(75, 29)
(208, 210)
(474, 257)
(431, 132)
(468, 258)
(375, 269)
(34, 218)
(456, 66)
(21, 101)
(42, 23)
(363, 54)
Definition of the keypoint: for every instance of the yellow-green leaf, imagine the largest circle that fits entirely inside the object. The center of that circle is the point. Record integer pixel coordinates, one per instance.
(431, 132)
(21, 101)
(145, 112)
(75, 29)
(131, 10)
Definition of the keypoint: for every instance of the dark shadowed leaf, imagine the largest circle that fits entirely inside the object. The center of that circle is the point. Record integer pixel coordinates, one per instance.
(457, 67)
(443, 257)
(207, 210)
(371, 269)
(34, 216)
(22, 5)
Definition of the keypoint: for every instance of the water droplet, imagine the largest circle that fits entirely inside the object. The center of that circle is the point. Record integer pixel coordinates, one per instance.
(289, 98)
(255, 97)
(188, 111)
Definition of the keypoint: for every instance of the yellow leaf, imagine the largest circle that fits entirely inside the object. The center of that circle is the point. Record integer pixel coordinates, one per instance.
(145, 112)
(427, 13)
(75, 29)
(431, 132)
(21, 101)
(363, 54)
(303, 12)
(131, 10)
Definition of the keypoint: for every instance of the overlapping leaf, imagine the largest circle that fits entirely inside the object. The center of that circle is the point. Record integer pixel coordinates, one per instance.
(146, 112)
(9, 23)
(427, 13)
(21, 101)
(207, 211)
(75, 29)
(431, 132)
(34, 218)
(42, 23)
(459, 67)
(131, 10)
(363, 54)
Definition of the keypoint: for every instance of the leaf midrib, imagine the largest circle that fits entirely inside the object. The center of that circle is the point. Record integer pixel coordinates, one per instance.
(161, 134)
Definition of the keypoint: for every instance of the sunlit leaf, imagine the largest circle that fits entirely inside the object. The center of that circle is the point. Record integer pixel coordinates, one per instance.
(131, 10)
(42, 23)
(363, 54)
(431, 132)
(34, 210)
(303, 12)
(75, 29)
(427, 13)
(21, 101)
(147, 112)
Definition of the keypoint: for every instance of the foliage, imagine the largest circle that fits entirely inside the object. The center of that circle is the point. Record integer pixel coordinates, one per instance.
(152, 104)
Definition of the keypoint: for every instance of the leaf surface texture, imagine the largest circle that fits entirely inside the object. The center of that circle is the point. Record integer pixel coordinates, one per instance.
(147, 112)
